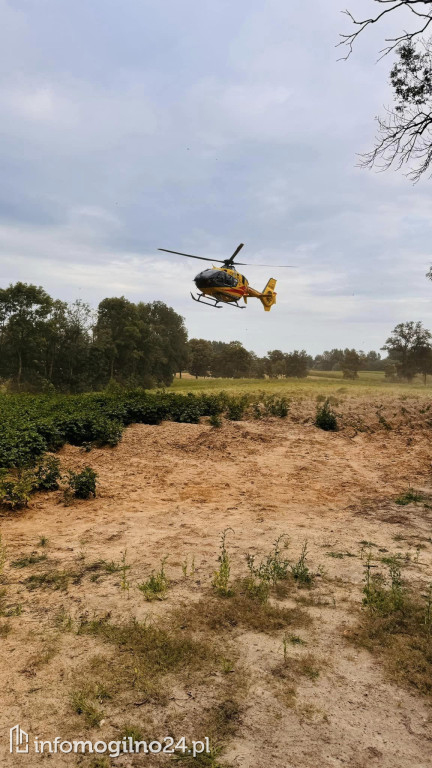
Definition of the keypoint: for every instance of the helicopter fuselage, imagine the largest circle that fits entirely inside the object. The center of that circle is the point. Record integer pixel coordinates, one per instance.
(222, 284)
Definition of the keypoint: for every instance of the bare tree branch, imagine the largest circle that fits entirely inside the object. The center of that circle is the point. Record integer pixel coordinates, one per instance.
(411, 5)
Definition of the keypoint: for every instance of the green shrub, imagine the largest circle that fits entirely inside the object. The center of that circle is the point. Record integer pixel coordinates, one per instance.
(236, 408)
(15, 491)
(276, 406)
(48, 474)
(215, 420)
(21, 445)
(97, 429)
(82, 484)
(325, 418)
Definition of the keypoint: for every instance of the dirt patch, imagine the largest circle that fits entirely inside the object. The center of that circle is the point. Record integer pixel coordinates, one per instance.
(171, 490)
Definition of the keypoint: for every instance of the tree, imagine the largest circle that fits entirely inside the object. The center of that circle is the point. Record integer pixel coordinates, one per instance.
(169, 340)
(24, 310)
(275, 363)
(200, 357)
(405, 133)
(351, 364)
(329, 361)
(117, 334)
(409, 346)
(296, 364)
(231, 360)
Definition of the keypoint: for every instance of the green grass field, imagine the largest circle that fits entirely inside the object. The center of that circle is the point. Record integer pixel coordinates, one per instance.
(317, 382)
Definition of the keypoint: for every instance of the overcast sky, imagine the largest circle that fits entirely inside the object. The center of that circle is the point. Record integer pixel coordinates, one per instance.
(128, 125)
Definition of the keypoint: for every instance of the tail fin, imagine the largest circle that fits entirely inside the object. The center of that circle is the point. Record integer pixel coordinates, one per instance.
(268, 296)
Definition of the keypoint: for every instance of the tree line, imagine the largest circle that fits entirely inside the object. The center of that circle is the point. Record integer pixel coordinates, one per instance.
(218, 359)
(49, 345)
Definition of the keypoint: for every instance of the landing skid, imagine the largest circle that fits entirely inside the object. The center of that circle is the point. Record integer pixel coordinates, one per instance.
(215, 302)
(212, 303)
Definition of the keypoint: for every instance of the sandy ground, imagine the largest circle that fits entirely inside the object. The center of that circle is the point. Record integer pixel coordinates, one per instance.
(171, 490)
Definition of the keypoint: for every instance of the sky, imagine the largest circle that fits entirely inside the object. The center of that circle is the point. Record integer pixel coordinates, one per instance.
(132, 125)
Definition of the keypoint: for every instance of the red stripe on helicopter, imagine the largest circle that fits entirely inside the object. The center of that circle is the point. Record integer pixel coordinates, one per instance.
(236, 290)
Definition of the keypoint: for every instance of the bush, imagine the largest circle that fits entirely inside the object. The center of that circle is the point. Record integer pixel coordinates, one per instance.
(81, 430)
(20, 447)
(215, 420)
(325, 418)
(276, 406)
(82, 484)
(48, 474)
(236, 408)
(15, 491)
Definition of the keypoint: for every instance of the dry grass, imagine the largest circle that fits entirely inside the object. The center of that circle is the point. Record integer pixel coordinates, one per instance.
(145, 654)
(396, 625)
(240, 611)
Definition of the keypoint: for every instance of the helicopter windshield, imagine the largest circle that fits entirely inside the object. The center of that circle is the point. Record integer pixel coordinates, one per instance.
(215, 277)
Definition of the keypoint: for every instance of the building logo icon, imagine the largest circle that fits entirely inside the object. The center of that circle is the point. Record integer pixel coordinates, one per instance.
(19, 740)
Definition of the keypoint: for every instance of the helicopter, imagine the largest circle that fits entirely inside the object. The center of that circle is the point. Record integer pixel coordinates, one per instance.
(224, 285)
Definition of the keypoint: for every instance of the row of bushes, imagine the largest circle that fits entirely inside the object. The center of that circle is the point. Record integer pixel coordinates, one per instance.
(32, 425)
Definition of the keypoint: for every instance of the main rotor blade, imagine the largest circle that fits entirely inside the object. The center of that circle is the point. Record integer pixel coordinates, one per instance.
(189, 255)
(230, 260)
(271, 266)
(239, 247)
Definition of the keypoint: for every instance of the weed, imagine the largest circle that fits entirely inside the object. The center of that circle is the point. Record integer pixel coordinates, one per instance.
(222, 575)
(396, 625)
(296, 640)
(26, 560)
(13, 610)
(185, 567)
(274, 567)
(409, 497)
(130, 732)
(63, 620)
(256, 589)
(157, 584)
(340, 555)
(43, 541)
(48, 580)
(124, 568)
(82, 704)
(325, 418)
(227, 666)
(300, 570)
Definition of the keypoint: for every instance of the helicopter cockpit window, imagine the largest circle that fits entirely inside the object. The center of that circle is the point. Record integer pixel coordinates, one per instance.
(225, 279)
(217, 278)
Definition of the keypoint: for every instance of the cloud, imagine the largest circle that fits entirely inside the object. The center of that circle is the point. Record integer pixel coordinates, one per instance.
(194, 126)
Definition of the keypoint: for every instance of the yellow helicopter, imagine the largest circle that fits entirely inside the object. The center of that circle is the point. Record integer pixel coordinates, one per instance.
(226, 285)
